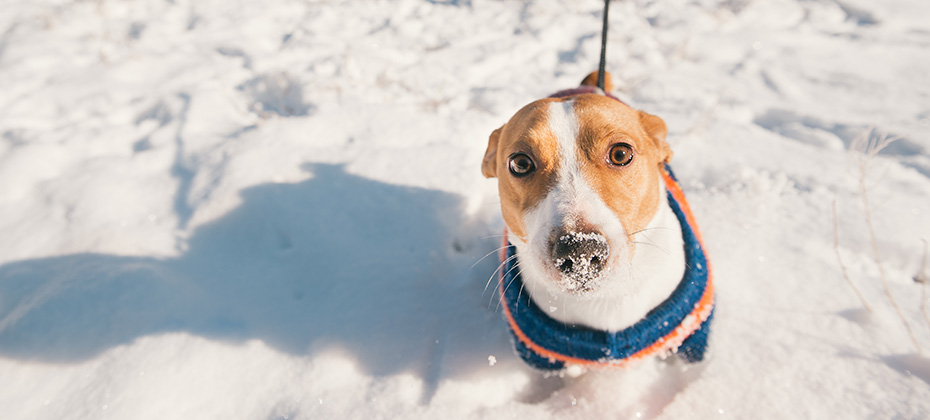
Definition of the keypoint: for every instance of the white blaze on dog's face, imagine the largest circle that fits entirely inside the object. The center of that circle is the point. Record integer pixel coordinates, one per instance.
(578, 176)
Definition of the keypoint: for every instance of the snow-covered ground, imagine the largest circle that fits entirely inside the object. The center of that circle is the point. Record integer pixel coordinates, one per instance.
(263, 210)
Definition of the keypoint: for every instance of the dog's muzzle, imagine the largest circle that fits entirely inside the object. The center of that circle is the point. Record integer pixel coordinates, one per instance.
(579, 256)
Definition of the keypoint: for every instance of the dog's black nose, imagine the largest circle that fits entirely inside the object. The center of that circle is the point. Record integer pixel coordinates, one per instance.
(580, 254)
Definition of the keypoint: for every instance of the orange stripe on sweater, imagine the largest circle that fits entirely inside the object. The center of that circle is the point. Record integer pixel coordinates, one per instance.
(673, 340)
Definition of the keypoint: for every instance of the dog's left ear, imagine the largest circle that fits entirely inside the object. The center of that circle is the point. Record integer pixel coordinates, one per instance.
(657, 131)
(489, 164)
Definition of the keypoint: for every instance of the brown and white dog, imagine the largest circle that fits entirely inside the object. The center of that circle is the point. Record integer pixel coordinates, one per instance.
(583, 198)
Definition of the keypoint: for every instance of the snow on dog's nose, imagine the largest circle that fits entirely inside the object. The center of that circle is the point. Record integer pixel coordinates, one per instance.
(579, 256)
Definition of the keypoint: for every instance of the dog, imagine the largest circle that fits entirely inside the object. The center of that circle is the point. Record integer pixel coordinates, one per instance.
(603, 264)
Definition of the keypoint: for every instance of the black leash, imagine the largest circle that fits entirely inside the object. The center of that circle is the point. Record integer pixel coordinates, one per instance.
(600, 68)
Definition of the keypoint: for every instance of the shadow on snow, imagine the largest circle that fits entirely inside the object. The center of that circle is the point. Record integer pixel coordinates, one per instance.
(378, 270)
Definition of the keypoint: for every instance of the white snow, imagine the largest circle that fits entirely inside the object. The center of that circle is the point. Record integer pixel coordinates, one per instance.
(240, 210)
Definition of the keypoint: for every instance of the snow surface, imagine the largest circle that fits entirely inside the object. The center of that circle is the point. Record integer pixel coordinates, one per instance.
(263, 210)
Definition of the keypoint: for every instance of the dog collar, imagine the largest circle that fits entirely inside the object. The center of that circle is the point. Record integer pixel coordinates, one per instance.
(585, 89)
(679, 325)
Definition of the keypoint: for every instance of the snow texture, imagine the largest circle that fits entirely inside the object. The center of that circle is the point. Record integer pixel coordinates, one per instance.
(275, 210)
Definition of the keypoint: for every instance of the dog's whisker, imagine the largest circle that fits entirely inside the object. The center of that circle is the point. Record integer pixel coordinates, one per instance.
(667, 252)
(487, 255)
(663, 250)
(522, 286)
(495, 293)
(499, 267)
(650, 228)
(515, 266)
(510, 283)
(497, 288)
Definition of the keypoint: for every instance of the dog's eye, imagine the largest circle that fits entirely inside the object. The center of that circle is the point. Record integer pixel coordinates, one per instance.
(621, 154)
(521, 164)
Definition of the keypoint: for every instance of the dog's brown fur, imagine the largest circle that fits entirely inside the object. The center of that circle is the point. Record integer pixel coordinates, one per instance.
(630, 191)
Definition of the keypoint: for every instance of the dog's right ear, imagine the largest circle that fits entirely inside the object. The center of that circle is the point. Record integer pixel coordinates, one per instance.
(591, 80)
(657, 130)
(489, 164)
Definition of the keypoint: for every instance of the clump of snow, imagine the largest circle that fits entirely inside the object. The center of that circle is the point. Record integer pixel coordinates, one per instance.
(270, 209)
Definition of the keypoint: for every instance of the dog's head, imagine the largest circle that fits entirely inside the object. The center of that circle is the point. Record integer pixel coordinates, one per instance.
(577, 176)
